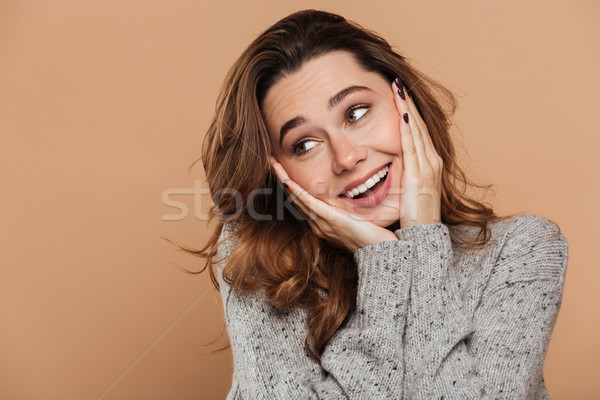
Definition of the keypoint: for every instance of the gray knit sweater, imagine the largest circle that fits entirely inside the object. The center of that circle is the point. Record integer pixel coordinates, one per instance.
(432, 321)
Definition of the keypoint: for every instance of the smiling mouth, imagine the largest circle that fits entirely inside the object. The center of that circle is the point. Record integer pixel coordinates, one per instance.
(369, 186)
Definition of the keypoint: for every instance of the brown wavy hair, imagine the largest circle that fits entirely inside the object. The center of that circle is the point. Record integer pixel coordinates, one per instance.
(278, 252)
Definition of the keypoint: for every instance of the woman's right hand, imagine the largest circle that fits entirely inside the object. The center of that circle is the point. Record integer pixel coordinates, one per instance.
(333, 224)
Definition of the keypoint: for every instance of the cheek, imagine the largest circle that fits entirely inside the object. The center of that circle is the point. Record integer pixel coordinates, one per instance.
(387, 135)
(311, 177)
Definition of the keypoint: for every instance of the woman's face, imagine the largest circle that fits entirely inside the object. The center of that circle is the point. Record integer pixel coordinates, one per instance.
(334, 127)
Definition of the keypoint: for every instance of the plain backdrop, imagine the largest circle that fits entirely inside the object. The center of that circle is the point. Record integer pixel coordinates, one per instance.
(104, 105)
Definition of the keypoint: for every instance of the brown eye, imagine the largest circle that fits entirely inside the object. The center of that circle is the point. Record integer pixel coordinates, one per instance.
(303, 147)
(356, 114)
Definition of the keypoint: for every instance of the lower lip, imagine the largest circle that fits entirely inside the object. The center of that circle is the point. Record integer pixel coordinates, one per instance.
(376, 196)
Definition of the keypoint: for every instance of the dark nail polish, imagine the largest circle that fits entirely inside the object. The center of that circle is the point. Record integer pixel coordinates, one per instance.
(285, 185)
(405, 116)
(401, 93)
(400, 88)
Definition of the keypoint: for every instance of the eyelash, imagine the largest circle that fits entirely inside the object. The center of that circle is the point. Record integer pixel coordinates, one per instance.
(294, 146)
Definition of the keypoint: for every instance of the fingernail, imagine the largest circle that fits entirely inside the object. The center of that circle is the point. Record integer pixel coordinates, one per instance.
(400, 88)
(405, 116)
(285, 185)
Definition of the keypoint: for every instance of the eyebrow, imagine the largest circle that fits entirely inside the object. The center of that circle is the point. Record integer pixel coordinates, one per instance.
(333, 101)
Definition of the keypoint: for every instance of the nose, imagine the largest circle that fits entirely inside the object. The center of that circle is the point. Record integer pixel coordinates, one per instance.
(347, 153)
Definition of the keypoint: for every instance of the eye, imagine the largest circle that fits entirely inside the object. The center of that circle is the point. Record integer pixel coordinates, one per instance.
(356, 112)
(303, 147)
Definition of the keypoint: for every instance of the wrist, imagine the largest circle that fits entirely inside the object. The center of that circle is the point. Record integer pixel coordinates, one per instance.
(383, 236)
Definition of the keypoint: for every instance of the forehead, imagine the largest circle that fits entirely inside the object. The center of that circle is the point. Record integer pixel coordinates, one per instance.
(308, 90)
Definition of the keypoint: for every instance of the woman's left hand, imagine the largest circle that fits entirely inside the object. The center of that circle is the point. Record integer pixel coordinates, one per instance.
(421, 181)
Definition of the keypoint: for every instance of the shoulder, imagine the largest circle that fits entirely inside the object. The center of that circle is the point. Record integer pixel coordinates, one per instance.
(529, 247)
(226, 244)
(526, 233)
(227, 240)
(532, 224)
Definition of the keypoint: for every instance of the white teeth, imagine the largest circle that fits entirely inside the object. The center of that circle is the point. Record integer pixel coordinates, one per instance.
(363, 187)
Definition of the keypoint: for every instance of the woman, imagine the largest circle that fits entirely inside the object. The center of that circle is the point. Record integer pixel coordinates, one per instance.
(350, 261)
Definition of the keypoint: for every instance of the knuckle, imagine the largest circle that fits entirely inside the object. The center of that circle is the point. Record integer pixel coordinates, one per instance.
(440, 164)
(412, 179)
(411, 150)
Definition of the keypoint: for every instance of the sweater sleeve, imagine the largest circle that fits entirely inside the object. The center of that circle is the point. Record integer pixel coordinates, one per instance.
(498, 352)
(362, 360)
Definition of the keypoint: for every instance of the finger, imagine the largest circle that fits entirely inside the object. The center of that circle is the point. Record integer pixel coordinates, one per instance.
(316, 229)
(309, 207)
(310, 204)
(430, 150)
(312, 218)
(279, 170)
(315, 205)
(291, 189)
(410, 157)
(317, 209)
(309, 214)
(415, 112)
(417, 134)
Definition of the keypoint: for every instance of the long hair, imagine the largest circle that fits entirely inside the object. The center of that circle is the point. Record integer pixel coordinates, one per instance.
(280, 254)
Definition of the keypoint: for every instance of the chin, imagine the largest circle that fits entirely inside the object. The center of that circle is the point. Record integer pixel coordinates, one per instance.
(383, 220)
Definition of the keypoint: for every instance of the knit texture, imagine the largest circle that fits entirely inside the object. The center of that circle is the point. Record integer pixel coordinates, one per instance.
(432, 321)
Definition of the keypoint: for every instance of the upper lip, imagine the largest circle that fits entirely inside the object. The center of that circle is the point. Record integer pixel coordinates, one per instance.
(357, 182)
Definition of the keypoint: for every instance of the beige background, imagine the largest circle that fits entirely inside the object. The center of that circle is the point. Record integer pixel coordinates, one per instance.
(103, 105)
